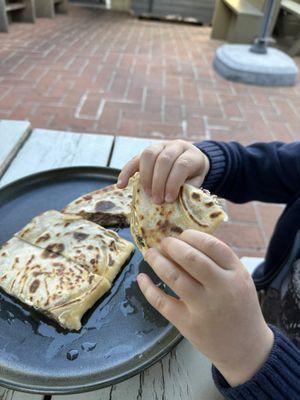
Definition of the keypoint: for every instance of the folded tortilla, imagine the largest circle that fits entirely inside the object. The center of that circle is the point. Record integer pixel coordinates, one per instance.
(98, 250)
(53, 285)
(109, 206)
(193, 209)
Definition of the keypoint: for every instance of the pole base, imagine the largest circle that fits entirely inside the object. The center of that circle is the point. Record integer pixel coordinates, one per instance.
(237, 63)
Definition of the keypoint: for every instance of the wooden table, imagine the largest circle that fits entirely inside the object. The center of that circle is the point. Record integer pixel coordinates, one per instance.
(184, 374)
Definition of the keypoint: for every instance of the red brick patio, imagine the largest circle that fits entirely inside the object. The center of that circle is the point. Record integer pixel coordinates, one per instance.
(101, 72)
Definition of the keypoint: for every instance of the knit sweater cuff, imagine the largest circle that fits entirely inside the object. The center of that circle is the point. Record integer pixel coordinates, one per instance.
(217, 160)
(277, 379)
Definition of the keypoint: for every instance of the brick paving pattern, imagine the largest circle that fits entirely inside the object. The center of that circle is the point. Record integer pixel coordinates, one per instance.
(102, 72)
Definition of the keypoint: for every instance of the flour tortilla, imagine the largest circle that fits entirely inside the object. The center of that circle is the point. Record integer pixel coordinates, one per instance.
(98, 250)
(193, 209)
(107, 207)
(48, 282)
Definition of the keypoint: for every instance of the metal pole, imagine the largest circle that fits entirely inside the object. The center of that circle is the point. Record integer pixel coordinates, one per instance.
(260, 43)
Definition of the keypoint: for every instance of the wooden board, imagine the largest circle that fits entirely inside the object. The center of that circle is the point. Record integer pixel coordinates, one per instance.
(291, 6)
(126, 148)
(6, 394)
(53, 149)
(184, 374)
(12, 136)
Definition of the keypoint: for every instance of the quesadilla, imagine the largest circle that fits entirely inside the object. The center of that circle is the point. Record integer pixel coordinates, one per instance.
(109, 206)
(193, 209)
(48, 282)
(98, 250)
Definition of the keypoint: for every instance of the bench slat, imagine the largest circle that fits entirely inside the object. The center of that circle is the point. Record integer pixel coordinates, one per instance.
(12, 135)
(14, 6)
(243, 7)
(126, 148)
(291, 6)
(46, 149)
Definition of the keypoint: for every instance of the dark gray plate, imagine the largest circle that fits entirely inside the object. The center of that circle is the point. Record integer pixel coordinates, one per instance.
(128, 334)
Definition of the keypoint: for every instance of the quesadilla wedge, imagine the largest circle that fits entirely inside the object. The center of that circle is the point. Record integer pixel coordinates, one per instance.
(98, 250)
(109, 206)
(46, 281)
(193, 209)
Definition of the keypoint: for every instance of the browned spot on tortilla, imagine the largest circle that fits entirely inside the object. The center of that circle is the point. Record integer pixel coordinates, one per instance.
(56, 247)
(87, 197)
(163, 226)
(66, 224)
(196, 196)
(110, 260)
(78, 201)
(80, 236)
(210, 204)
(140, 240)
(93, 261)
(3, 254)
(90, 247)
(34, 286)
(91, 278)
(104, 205)
(48, 254)
(17, 259)
(30, 260)
(215, 214)
(36, 273)
(142, 217)
(112, 245)
(58, 264)
(43, 238)
(176, 229)
(143, 231)
(25, 231)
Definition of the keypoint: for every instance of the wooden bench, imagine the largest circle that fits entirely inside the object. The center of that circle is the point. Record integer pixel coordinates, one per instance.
(239, 21)
(19, 11)
(48, 8)
(292, 7)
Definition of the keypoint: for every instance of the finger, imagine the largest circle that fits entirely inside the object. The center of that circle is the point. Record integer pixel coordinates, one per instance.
(162, 169)
(195, 263)
(147, 162)
(177, 279)
(172, 309)
(184, 167)
(215, 249)
(128, 171)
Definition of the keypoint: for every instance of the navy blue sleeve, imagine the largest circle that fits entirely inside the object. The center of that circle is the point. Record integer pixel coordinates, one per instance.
(278, 379)
(268, 172)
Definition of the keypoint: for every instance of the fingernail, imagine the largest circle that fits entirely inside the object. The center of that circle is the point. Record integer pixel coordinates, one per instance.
(169, 198)
(157, 200)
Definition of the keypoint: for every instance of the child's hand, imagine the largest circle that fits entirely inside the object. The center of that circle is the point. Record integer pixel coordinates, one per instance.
(164, 168)
(217, 309)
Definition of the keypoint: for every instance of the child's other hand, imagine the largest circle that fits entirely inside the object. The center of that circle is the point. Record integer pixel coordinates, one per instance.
(165, 167)
(218, 309)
